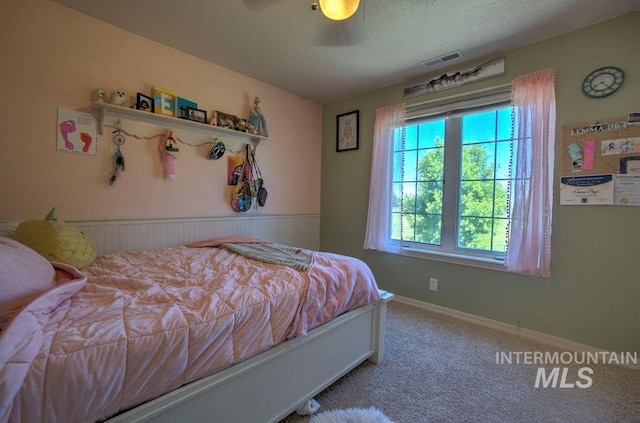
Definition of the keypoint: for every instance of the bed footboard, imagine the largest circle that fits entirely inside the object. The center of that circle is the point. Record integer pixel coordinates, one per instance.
(270, 386)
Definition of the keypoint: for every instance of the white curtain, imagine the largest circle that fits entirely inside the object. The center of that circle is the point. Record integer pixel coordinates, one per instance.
(378, 234)
(531, 192)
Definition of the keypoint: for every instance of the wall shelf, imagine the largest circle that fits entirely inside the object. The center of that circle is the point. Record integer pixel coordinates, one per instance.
(120, 112)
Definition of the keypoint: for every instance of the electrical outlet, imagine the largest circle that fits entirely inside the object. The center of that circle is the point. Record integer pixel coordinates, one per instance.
(433, 284)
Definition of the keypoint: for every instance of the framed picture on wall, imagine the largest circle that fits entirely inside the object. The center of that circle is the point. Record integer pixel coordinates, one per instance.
(347, 136)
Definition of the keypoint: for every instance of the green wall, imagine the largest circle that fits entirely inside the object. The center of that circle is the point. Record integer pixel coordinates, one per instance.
(593, 295)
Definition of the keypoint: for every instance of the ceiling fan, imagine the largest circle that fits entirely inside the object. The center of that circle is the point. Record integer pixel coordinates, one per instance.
(335, 31)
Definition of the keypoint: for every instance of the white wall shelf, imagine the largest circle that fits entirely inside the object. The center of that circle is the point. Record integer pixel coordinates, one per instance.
(120, 112)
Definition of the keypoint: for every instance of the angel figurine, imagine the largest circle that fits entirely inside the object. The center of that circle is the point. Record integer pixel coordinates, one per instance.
(257, 119)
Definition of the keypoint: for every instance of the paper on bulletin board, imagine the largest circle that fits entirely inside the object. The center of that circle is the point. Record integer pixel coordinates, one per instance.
(627, 189)
(77, 132)
(621, 146)
(587, 190)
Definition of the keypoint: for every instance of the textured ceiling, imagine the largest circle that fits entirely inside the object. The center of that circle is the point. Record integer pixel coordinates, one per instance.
(286, 44)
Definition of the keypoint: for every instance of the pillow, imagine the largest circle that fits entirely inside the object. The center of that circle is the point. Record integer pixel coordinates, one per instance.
(7, 228)
(57, 241)
(25, 274)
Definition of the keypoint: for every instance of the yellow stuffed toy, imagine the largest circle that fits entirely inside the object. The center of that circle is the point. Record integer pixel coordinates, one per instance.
(57, 241)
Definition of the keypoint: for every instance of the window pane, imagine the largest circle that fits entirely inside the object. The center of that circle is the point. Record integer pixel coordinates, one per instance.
(428, 228)
(396, 192)
(430, 133)
(410, 166)
(408, 228)
(476, 198)
(475, 233)
(478, 161)
(397, 139)
(500, 235)
(409, 197)
(431, 165)
(429, 199)
(500, 199)
(397, 166)
(396, 219)
(479, 127)
(504, 123)
(503, 151)
(411, 137)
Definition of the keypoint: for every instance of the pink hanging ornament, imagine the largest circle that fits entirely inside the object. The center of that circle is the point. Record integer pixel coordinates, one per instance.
(168, 152)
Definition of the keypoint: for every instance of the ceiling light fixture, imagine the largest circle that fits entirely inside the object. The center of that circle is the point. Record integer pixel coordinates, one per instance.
(339, 10)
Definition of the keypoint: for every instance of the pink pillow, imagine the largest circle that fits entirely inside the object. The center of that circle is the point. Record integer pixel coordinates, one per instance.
(24, 274)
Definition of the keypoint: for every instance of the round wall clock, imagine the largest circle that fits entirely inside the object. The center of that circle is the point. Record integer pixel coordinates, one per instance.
(603, 82)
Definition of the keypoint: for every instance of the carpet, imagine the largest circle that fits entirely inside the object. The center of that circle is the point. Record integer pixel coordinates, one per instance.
(351, 415)
(439, 369)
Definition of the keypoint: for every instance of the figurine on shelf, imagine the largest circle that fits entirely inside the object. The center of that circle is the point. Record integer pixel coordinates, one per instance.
(99, 96)
(257, 119)
(241, 125)
(118, 98)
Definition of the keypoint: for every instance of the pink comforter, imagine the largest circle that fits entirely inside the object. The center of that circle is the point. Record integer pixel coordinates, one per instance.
(146, 323)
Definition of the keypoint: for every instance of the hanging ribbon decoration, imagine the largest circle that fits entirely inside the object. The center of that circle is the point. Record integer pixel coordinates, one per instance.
(118, 159)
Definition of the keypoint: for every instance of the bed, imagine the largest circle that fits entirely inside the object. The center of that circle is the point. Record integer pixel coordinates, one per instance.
(225, 330)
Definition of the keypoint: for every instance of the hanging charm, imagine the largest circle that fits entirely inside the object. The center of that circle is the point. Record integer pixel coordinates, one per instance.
(168, 153)
(258, 182)
(216, 151)
(118, 159)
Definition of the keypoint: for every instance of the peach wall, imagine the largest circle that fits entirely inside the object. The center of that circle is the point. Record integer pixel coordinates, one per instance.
(54, 57)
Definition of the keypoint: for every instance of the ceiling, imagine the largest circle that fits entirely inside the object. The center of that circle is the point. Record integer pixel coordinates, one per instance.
(286, 44)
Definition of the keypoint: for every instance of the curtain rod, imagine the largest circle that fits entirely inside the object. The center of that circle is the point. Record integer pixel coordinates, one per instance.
(454, 96)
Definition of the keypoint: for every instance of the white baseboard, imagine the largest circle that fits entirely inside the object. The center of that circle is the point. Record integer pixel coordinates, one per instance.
(532, 335)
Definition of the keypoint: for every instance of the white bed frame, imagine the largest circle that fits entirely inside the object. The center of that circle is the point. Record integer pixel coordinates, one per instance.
(270, 386)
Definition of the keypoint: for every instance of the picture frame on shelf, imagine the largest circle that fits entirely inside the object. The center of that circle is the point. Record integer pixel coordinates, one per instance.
(164, 102)
(181, 107)
(196, 115)
(347, 131)
(225, 120)
(144, 102)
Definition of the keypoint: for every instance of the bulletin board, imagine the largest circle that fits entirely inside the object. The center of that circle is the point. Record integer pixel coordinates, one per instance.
(600, 162)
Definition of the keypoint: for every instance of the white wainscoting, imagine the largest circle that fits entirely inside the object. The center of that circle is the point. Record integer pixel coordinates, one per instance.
(117, 234)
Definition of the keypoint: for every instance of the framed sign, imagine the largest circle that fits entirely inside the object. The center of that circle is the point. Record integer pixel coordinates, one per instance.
(164, 102)
(347, 136)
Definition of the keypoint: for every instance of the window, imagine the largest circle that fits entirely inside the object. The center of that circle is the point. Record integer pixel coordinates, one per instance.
(452, 181)
(470, 149)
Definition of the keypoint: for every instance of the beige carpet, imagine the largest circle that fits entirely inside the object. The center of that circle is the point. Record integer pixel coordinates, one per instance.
(441, 369)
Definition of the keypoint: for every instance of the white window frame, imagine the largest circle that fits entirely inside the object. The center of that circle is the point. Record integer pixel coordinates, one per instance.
(448, 251)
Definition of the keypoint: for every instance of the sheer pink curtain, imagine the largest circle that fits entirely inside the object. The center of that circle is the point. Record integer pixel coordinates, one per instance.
(389, 120)
(531, 192)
